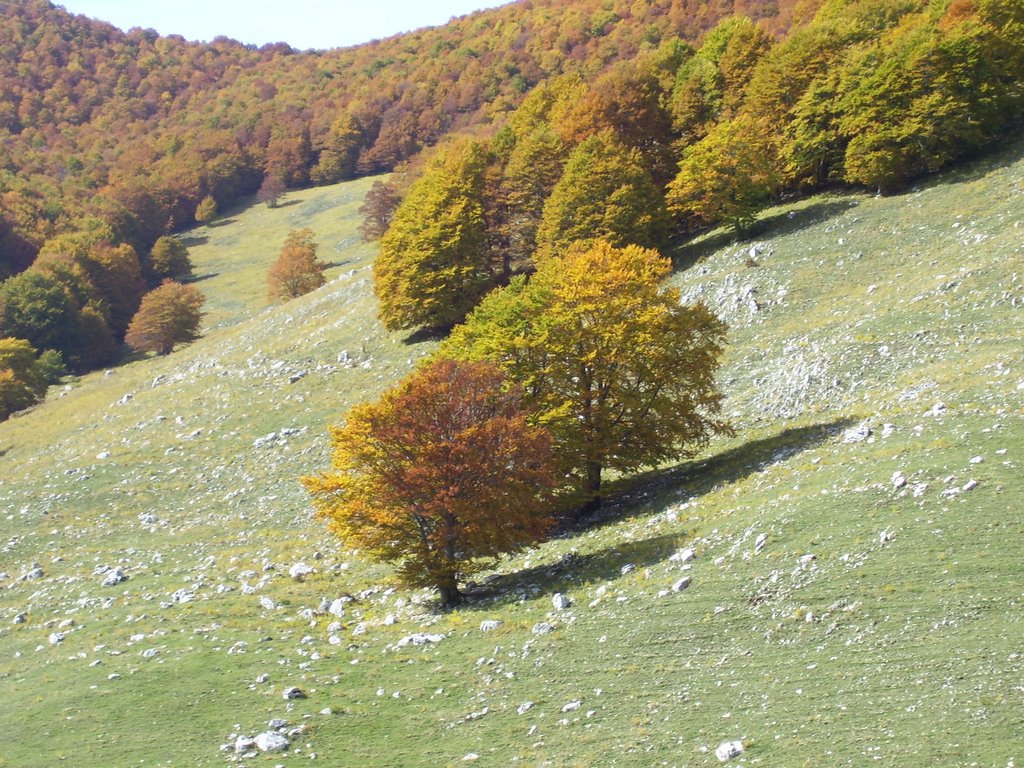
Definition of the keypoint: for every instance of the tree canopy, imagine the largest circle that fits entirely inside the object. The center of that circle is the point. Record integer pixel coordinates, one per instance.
(604, 192)
(439, 477)
(433, 266)
(608, 359)
(23, 378)
(297, 270)
(169, 259)
(169, 315)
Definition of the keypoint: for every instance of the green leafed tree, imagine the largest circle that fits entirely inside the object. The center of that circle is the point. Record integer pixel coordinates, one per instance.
(169, 259)
(169, 315)
(297, 270)
(929, 93)
(206, 211)
(533, 169)
(434, 264)
(711, 84)
(440, 477)
(608, 359)
(604, 193)
(37, 308)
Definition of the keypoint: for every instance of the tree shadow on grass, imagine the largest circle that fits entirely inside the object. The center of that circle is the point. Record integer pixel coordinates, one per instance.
(775, 225)
(200, 278)
(972, 168)
(426, 334)
(193, 240)
(644, 495)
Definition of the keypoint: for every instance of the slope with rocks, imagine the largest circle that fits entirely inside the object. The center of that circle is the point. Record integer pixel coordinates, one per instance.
(838, 584)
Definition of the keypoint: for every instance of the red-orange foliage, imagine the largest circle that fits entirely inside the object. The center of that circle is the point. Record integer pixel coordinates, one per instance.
(168, 315)
(441, 476)
(377, 209)
(297, 270)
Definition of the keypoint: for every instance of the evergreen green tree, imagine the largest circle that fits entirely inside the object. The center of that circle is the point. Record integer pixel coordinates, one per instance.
(37, 308)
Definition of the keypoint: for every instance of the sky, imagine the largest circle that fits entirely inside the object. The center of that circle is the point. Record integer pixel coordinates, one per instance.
(300, 23)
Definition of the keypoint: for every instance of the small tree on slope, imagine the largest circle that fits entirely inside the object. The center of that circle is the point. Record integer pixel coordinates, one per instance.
(168, 315)
(297, 270)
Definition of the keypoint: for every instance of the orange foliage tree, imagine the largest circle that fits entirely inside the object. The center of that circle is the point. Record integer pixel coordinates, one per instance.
(297, 270)
(441, 476)
(168, 315)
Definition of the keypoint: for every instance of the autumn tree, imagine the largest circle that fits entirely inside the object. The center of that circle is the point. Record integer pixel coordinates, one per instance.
(337, 160)
(169, 315)
(116, 273)
(725, 178)
(609, 361)
(378, 209)
(169, 259)
(533, 169)
(433, 266)
(297, 270)
(271, 189)
(604, 193)
(440, 477)
(206, 211)
(23, 379)
(289, 154)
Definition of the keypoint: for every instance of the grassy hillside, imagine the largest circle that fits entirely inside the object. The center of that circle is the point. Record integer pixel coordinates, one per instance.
(875, 377)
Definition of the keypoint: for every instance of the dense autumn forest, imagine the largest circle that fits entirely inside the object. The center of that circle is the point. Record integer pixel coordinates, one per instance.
(685, 114)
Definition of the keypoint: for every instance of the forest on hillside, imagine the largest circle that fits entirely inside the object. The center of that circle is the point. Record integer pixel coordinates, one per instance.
(638, 123)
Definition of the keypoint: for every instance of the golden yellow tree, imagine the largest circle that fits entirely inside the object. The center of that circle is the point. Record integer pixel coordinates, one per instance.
(609, 361)
(434, 264)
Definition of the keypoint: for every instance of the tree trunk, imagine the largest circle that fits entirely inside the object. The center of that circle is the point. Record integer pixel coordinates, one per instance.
(591, 489)
(450, 595)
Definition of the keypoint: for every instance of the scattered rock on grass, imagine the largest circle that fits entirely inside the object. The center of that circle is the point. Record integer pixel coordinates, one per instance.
(420, 638)
(299, 571)
(728, 750)
(271, 741)
(682, 584)
(857, 434)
